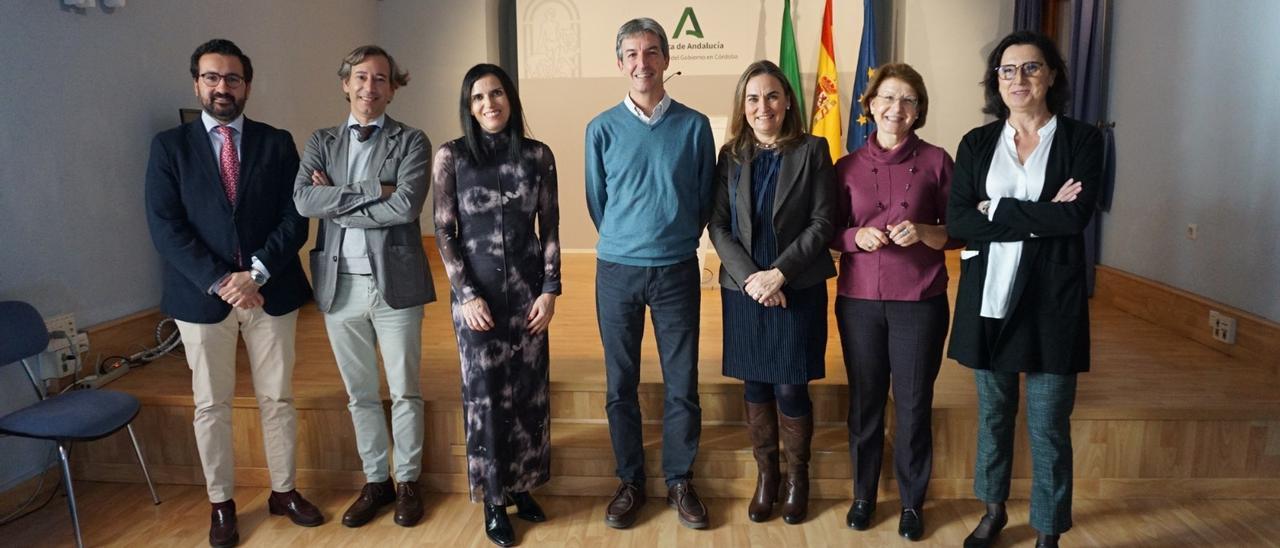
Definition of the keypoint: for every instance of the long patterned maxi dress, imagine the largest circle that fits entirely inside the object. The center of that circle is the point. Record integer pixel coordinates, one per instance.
(485, 217)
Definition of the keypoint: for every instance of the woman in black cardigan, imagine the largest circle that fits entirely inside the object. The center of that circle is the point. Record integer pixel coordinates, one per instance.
(1023, 191)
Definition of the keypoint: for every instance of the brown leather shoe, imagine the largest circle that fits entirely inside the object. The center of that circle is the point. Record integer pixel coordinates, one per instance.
(299, 510)
(408, 504)
(624, 508)
(797, 433)
(222, 525)
(682, 497)
(762, 425)
(372, 497)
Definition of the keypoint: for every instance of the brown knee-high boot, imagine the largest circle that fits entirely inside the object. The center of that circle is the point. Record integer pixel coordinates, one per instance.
(762, 425)
(797, 433)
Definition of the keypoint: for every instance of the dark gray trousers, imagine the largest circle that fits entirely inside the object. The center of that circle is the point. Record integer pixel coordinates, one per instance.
(672, 295)
(898, 344)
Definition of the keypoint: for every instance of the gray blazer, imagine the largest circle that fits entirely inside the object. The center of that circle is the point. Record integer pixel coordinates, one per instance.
(804, 210)
(391, 225)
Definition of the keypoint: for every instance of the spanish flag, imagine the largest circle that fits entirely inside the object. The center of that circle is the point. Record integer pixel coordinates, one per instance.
(826, 95)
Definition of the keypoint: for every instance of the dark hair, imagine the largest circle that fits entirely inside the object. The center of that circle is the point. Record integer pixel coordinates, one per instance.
(909, 76)
(222, 47)
(471, 130)
(398, 77)
(1059, 92)
(637, 26)
(741, 141)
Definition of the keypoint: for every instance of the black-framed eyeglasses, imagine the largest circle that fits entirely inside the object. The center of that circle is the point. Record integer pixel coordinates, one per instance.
(212, 79)
(1030, 69)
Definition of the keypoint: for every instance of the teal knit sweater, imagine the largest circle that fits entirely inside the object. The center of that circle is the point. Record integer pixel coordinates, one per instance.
(649, 188)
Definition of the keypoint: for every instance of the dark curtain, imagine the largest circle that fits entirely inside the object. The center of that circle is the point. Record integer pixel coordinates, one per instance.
(1087, 68)
(1027, 14)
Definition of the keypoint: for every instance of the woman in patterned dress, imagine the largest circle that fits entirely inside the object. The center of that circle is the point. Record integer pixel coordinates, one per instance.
(491, 185)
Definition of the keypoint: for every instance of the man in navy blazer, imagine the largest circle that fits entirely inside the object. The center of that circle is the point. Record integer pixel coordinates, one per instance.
(219, 194)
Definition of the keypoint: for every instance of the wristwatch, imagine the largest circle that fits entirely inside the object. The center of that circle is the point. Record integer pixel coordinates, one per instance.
(259, 278)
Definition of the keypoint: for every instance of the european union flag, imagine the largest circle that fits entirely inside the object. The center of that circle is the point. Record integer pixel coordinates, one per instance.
(861, 125)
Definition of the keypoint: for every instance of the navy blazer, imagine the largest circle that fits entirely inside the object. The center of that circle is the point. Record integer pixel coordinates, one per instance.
(197, 230)
(1046, 329)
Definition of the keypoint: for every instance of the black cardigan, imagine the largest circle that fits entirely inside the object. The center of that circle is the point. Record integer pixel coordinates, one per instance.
(1047, 327)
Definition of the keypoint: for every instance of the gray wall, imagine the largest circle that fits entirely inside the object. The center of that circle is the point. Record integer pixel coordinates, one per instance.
(86, 91)
(1194, 96)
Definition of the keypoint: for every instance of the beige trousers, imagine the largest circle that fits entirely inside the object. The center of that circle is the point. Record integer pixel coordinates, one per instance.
(211, 354)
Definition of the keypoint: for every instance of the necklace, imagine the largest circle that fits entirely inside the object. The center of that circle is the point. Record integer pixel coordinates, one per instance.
(766, 146)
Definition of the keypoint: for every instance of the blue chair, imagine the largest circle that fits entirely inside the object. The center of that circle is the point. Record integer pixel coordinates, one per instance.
(80, 415)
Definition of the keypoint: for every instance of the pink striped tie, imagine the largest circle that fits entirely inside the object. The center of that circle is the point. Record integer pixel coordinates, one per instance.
(229, 165)
(229, 169)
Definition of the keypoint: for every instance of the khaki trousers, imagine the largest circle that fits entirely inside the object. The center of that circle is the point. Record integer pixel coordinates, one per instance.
(211, 355)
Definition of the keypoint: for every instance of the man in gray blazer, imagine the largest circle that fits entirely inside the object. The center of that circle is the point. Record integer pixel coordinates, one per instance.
(366, 180)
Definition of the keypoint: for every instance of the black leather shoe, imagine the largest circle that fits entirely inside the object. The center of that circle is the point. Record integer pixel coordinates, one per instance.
(994, 527)
(625, 505)
(299, 510)
(372, 497)
(222, 525)
(408, 504)
(526, 508)
(911, 524)
(497, 526)
(860, 514)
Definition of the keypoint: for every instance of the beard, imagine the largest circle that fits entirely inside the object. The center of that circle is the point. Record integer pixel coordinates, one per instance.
(222, 112)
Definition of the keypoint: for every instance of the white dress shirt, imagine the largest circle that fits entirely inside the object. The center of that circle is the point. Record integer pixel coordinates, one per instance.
(1009, 178)
(658, 111)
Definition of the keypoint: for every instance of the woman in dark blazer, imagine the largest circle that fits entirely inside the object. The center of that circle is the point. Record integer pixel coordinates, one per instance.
(1023, 191)
(771, 222)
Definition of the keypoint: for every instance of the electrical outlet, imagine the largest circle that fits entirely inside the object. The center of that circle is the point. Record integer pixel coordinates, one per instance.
(66, 323)
(1223, 326)
(62, 357)
(1193, 231)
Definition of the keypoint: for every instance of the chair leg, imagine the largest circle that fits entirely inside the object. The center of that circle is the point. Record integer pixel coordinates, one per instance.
(64, 454)
(138, 450)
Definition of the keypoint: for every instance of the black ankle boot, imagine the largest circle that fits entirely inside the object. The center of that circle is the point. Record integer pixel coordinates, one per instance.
(526, 508)
(1046, 541)
(497, 526)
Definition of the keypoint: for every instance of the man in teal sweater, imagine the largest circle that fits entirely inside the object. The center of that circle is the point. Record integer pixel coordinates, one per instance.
(650, 168)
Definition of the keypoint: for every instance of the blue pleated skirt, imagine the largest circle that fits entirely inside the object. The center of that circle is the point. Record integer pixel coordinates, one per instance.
(776, 345)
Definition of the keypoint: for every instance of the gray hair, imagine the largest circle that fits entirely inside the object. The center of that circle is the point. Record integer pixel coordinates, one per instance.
(637, 26)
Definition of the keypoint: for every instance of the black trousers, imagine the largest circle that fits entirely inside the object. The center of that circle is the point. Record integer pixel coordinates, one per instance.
(673, 298)
(898, 344)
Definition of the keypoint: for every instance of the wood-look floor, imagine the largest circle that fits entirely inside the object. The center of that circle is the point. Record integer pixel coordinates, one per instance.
(1139, 369)
(122, 515)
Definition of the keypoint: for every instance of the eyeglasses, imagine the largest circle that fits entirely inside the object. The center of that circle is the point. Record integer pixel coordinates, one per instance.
(1030, 69)
(212, 79)
(907, 101)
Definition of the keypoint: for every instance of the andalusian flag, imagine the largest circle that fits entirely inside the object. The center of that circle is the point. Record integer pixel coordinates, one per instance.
(826, 95)
(861, 125)
(789, 61)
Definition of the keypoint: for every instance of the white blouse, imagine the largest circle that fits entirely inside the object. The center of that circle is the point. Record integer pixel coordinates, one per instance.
(1009, 178)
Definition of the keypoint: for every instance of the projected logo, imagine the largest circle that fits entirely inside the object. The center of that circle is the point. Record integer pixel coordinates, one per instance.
(689, 43)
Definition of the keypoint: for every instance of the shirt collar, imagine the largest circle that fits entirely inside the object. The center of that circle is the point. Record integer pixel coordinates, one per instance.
(658, 110)
(351, 121)
(210, 122)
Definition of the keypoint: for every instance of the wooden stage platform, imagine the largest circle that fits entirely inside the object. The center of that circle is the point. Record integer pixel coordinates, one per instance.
(1160, 415)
